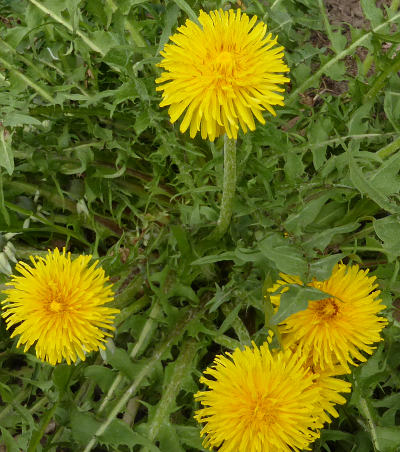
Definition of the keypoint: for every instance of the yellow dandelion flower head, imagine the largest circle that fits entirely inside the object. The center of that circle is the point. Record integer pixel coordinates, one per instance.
(221, 73)
(336, 329)
(259, 401)
(59, 304)
(330, 388)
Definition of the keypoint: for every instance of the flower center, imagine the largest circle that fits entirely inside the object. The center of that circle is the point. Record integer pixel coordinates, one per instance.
(55, 306)
(56, 298)
(225, 64)
(327, 308)
(263, 412)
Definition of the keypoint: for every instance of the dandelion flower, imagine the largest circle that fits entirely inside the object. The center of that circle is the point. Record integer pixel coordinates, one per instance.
(259, 401)
(221, 73)
(338, 328)
(58, 303)
(330, 388)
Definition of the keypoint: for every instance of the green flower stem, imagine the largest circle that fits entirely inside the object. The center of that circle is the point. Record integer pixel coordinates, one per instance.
(229, 188)
(367, 415)
(181, 368)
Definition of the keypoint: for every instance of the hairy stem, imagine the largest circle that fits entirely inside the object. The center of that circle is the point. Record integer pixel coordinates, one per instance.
(181, 368)
(229, 188)
(366, 413)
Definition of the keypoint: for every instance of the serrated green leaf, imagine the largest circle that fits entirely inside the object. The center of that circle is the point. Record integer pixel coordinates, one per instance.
(372, 12)
(365, 187)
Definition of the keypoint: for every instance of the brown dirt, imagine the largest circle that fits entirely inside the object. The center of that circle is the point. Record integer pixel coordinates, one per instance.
(348, 11)
(341, 13)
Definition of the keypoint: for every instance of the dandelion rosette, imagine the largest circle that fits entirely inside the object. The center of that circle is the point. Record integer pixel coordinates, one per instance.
(337, 329)
(58, 303)
(260, 401)
(222, 73)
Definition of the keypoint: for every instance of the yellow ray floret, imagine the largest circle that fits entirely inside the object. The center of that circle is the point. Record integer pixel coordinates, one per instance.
(337, 329)
(221, 74)
(330, 388)
(261, 401)
(58, 303)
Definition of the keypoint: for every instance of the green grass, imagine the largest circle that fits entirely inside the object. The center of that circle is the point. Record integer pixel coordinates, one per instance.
(89, 161)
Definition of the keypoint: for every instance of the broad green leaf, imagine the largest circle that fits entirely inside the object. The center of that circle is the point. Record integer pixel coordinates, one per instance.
(120, 360)
(287, 258)
(297, 222)
(61, 376)
(388, 438)
(294, 300)
(386, 178)
(103, 376)
(322, 268)
(169, 440)
(322, 239)
(294, 166)
(319, 134)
